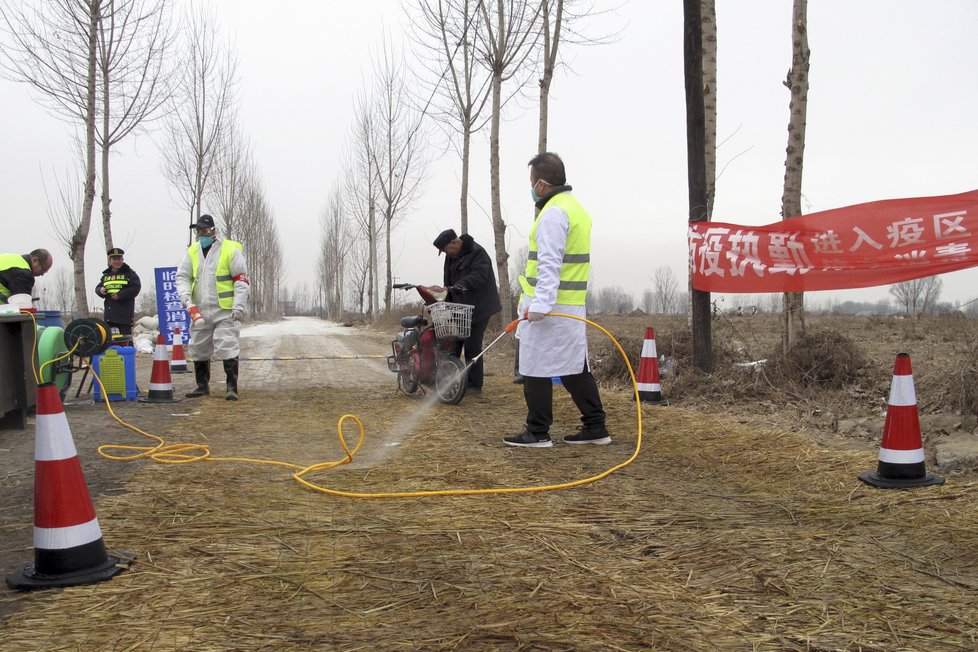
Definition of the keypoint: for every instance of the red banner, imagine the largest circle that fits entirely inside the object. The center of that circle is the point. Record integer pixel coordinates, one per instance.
(879, 243)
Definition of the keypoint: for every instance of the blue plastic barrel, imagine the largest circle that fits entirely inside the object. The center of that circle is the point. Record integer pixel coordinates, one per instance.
(49, 318)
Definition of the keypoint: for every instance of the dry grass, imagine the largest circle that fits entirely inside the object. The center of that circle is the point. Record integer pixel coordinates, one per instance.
(723, 534)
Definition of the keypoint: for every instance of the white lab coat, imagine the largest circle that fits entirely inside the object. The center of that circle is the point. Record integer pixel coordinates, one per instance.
(554, 346)
(219, 335)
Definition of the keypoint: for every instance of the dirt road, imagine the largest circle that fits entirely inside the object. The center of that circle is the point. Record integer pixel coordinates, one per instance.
(309, 352)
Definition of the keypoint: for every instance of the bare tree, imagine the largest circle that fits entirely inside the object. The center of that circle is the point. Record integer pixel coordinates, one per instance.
(57, 290)
(203, 104)
(793, 315)
(918, 296)
(613, 299)
(52, 47)
(396, 149)
(361, 192)
(506, 47)
(558, 25)
(64, 208)
(135, 73)
(231, 175)
(666, 290)
(255, 229)
(146, 301)
(335, 244)
(445, 31)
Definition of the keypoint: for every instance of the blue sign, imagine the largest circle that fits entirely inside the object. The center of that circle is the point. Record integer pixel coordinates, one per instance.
(171, 312)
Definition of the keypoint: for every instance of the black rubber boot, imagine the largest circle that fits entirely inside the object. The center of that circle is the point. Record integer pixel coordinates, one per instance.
(202, 371)
(231, 369)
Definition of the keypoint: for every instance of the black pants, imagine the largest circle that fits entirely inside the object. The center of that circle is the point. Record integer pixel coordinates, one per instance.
(473, 347)
(124, 329)
(539, 395)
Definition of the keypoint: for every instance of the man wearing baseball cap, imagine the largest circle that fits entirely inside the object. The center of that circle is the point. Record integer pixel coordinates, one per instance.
(119, 286)
(213, 285)
(469, 278)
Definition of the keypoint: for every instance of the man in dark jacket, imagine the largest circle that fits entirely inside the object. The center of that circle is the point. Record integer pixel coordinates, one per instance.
(469, 269)
(17, 272)
(119, 285)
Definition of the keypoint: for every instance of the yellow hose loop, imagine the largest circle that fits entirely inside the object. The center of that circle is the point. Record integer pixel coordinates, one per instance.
(472, 492)
(177, 453)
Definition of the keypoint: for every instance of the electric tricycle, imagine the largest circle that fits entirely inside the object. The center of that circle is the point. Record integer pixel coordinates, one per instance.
(427, 351)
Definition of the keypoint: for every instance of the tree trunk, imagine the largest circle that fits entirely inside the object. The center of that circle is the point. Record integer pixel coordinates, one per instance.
(106, 212)
(372, 273)
(388, 219)
(464, 198)
(80, 237)
(498, 226)
(793, 314)
(544, 109)
(696, 172)
(550, 45)
(708, 19)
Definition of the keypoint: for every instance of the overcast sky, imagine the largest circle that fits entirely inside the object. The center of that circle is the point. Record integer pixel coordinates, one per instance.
(890, 114)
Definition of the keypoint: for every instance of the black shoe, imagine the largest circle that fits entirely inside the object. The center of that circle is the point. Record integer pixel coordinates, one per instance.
(526, 440)
(517, 379)
(599, 435)
(473, 390)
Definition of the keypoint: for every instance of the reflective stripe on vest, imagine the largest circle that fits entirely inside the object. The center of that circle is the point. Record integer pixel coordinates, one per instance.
(114, 283)
(576, 264)
(11, 261)
(225, 282)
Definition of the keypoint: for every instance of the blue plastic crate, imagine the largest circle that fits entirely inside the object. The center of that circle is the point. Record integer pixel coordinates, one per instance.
(117, 370)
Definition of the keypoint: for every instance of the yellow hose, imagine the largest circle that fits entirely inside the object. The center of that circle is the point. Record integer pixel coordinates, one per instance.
(177, 453)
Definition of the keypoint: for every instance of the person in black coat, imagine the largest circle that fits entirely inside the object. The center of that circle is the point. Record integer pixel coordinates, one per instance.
(119, 285)
(470, 279)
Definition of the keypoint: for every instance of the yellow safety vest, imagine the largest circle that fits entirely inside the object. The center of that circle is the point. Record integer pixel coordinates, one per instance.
(11, 261)
(225, 282)
(576, 266)
(114, 282)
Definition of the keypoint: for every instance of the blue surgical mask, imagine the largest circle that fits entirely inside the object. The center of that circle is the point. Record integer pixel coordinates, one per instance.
(533, 193)
(205, 241)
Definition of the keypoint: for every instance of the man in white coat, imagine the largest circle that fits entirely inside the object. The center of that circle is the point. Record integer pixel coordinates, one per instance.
(555, 281)
(213, 285)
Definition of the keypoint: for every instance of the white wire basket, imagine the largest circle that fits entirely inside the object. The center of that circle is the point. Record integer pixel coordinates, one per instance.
(451, 319)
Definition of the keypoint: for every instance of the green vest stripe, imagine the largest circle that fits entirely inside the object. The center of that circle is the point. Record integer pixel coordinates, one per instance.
(576, 265)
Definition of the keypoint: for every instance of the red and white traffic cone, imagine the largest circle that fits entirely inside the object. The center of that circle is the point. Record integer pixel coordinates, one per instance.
(160, 384)
(178, 363)
(649, 389)
(901, 458)
(68, 545)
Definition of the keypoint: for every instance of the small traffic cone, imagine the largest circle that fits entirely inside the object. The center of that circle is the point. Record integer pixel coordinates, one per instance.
(68, 545)
(160, 385)
(649, 389)
(178, 363)
(901, 458)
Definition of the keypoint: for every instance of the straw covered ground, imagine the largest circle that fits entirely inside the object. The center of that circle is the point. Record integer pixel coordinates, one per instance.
(724, 533)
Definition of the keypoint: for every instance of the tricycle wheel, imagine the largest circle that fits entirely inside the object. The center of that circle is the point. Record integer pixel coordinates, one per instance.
(450, 379)
(408, 379)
